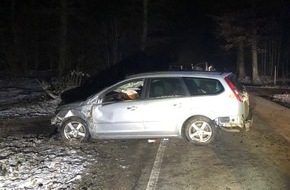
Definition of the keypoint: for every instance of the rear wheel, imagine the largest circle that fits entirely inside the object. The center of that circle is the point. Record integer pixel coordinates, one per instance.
(200, 130)
(75, 129)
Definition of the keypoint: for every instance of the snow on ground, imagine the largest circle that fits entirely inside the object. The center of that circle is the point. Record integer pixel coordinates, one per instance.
(24, 98)
(30, 162)
(282, 97)
(35, 109)
(35, 162)
(278, 94)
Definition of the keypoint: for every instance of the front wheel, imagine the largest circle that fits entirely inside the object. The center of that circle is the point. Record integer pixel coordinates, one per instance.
(75, 129)
(200, 130)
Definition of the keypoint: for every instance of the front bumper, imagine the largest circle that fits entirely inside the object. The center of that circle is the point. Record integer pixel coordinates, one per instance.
(55, 121)
(60, 117)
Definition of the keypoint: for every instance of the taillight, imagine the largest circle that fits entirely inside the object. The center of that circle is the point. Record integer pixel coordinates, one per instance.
(234, 89)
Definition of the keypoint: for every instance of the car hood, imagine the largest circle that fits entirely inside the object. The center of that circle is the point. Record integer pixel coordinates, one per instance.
(71, 105)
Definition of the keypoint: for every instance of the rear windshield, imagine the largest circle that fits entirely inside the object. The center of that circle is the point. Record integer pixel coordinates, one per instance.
(235, 81)
(203, 86)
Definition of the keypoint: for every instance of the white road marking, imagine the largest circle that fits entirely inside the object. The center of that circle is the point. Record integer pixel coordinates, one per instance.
(153, 179)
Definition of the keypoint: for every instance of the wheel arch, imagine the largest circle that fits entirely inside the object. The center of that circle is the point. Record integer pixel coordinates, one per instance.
(74, 117)
(73, 114)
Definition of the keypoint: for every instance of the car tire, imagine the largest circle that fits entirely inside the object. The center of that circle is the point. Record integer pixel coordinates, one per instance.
(200, 130)
(75, 129)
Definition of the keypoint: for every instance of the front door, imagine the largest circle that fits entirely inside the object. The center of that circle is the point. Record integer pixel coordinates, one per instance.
(119, 118)
(120, 113)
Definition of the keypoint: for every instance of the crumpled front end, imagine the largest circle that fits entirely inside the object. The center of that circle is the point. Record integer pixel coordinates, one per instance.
(80, 110)
(59, 117)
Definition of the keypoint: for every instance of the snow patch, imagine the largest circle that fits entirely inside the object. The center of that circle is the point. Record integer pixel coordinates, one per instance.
(31, 163)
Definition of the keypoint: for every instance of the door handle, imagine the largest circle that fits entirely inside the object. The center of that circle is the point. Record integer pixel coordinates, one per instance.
(132, 108)
(177, 105)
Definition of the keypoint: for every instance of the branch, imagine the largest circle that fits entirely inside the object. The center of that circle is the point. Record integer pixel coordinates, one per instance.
(44, 86)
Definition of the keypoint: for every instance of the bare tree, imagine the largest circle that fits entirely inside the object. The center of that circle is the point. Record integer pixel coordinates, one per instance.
(113, 41)
(240, 60)
(254, 53)
(272, 51)
(63, 38)
(234, 34)
(254, 44)
(12, 52)
(120, 30)
(145, 24)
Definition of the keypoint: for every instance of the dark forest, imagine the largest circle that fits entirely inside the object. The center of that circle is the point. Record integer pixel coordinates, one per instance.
(250, 38)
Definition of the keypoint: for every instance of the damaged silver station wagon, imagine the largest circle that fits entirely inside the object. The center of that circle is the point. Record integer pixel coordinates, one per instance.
(188, 104)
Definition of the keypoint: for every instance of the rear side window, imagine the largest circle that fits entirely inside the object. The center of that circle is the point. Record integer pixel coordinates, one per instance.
(165, 87)
(203, 86)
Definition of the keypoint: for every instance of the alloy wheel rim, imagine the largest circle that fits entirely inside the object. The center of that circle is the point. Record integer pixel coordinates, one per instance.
(200, 131)
(75, 130)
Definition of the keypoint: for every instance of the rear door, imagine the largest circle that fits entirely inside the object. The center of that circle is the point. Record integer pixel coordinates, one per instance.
(163, 106)
(206, 96)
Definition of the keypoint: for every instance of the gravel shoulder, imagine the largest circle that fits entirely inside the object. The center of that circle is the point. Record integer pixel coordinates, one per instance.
(274, 114)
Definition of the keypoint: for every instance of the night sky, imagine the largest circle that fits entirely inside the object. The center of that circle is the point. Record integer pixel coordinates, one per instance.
(92, 35)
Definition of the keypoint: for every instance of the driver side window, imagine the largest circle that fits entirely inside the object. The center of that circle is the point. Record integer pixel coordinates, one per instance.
(127, 91)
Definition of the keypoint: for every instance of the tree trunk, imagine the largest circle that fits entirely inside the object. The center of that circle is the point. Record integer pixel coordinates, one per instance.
(254, 51)
(287, 67)
(255, 71)
(240, 60)
(278, 57)
(63, 38)
(12, 53)
(265, 59)
(145, 24)
(112, 39)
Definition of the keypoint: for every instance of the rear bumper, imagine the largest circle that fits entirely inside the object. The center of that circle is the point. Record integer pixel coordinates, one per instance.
(234, 124)
(248, 124)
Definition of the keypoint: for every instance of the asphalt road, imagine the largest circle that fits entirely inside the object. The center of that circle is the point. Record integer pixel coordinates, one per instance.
(258, 159)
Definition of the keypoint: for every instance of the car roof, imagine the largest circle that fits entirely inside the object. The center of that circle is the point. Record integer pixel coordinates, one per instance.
(205, 74)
